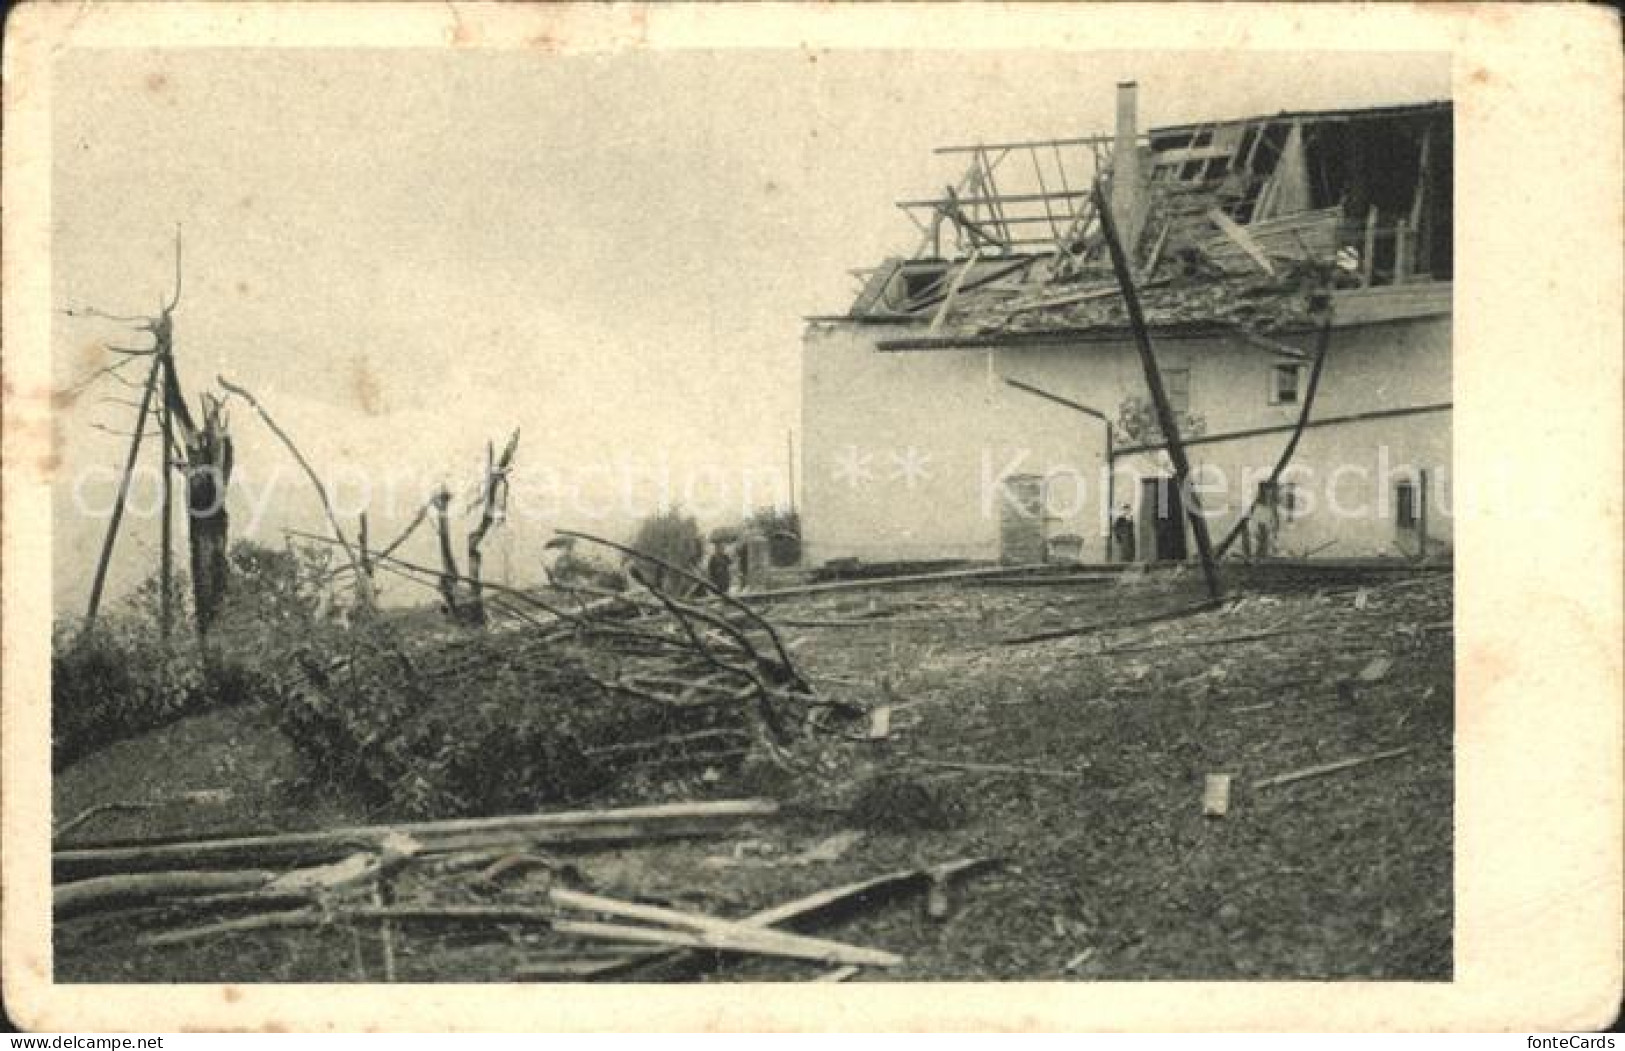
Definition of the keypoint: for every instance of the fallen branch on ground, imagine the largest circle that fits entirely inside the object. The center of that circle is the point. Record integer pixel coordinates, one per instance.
(999, 768)
(1221, 640)
(1328, 768)
(1134, 622)
(211, 795)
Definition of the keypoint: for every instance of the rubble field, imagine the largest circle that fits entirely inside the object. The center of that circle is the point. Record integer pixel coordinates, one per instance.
(1075, 768)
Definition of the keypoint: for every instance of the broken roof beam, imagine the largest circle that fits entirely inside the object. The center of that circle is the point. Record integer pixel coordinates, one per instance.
(990, 188)
(1336, 116)
(1012, 198)
(1087, 140)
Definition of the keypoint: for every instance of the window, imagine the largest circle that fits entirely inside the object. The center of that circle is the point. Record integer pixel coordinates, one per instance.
(918, 283)
(1177, 384)
(1405, 505)
(1284, 383)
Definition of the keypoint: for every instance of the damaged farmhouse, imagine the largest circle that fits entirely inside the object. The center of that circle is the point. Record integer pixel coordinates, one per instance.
(467, 680)
(982, 400)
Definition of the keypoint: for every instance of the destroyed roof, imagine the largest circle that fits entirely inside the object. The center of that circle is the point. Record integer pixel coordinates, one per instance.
(1318, 116)
(1230, 224)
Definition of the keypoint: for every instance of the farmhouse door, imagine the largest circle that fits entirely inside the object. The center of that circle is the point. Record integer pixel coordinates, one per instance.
(1162, 521)
(1021, 520)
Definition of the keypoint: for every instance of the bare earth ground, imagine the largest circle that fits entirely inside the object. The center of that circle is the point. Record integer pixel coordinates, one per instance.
(1109, 870)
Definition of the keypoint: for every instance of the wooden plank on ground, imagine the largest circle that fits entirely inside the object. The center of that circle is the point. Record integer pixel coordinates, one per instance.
(576, 827)
(804, 911)
(727, 934)
(756, 943)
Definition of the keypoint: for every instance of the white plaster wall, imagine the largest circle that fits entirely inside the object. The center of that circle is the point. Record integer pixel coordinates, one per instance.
(953, 410)
(865, 414)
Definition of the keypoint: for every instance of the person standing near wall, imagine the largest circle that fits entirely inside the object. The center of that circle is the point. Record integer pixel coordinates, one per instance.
(1123, 534)
(720, 568)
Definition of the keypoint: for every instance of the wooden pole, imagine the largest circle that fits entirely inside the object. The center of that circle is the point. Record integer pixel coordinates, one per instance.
(1370, 250)
(123, 493)
(790, 464)
(1421, 515)
(166, 555)
(1159, 396)
(1402, 252)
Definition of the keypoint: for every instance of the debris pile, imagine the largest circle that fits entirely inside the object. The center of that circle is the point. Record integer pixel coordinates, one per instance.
(584, 688)
(1247, 301)
(507, 880)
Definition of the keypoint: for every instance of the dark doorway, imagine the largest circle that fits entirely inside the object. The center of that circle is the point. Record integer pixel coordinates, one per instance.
(1021, 520)
(1163, 518)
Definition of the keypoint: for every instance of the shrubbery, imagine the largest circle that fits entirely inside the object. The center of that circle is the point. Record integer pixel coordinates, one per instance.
(418, 721)
(121, 678)
(783, 532)
(673, 537)
(110, 682)
(482, 723)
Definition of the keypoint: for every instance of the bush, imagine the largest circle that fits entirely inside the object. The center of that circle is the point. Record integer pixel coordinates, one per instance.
(109, 683)
(783, 532)
(480, 724)
(122, 678)
(675, 538)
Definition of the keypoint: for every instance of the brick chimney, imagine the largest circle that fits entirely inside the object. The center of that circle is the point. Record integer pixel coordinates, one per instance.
(1126, 165)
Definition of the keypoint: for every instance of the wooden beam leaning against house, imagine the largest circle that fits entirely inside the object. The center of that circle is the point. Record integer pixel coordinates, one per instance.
(1159, 396)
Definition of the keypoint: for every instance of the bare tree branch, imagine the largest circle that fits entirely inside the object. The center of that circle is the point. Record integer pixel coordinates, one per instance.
(1321, 346)
(705, 585)
(310, 472)
(123, 319)
(176, 298)
(109, 430)
(111, 370)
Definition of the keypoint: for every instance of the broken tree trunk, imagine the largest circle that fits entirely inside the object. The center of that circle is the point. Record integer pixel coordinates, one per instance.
(103, 892)
(1159, 396)
(493, 504)
(207, 468)
(448, 562)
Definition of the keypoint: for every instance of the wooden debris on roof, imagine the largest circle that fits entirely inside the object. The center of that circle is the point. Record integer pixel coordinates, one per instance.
(1309, 236)
(1238, 237)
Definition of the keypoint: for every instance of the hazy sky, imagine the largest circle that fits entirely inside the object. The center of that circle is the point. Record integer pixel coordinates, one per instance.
(404, 253)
